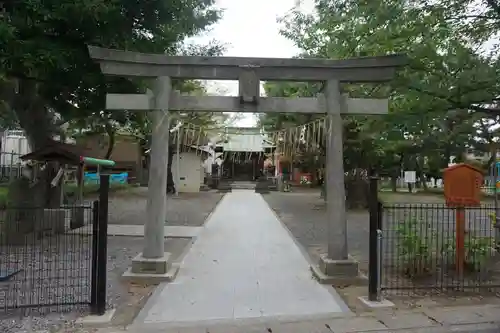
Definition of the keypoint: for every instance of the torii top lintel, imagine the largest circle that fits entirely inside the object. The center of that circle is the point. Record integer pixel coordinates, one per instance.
(366, 69)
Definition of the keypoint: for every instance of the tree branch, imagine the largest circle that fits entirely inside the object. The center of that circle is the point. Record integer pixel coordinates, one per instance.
(454, 104)
(462, 17)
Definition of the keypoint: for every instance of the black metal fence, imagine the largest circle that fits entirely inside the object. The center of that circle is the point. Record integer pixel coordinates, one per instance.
(414, 249)
(420, 255)
(54, 258)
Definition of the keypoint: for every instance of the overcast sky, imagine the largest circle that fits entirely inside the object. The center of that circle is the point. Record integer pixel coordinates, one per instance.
(249, 29)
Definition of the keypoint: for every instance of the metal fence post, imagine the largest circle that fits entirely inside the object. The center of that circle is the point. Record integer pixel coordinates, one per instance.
(95, 249)
(379, 264)
(373, 269)
(102, 258)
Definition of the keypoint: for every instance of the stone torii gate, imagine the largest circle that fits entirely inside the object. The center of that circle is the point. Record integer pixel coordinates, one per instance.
(154, 262)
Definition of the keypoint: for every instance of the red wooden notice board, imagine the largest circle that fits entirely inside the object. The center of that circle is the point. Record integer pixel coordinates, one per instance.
(462, 188)
(462, 185)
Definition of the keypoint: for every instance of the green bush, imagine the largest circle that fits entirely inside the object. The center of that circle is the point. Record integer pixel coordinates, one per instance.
(413, 249)
(4, 191)
(478, 251)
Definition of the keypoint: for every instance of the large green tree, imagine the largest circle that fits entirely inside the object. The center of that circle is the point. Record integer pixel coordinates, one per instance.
(46, 68)
(440, 104)
(47, 74)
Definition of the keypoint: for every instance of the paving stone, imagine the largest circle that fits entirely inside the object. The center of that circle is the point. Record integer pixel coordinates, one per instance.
(434, 329)
(200, 329)
(470, 328)
(359, 324)
(488, 312)
(483, 328)
(235, 329)
(454, 316)
(307, 327)
(217, 285)
(400, 320)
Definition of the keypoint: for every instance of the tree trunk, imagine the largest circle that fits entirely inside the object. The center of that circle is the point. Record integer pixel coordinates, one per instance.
(34, 119)
(394, 183)
(357, 189)
(111, 140)
(424, 183)
(446, 158)
(170, 178)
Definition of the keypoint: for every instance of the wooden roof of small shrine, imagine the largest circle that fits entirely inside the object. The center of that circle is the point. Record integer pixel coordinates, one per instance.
(54, 151)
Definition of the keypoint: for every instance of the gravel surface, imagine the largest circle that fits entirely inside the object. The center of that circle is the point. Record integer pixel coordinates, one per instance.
(189, 209)
(304, 214)
(71, 278)
(57, 269)
(76, 285)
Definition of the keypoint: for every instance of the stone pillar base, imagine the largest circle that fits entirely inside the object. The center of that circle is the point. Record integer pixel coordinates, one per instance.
(338, 272)
(147, 270)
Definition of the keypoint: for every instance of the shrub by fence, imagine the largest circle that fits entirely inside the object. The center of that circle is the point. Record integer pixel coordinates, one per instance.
(418, 250)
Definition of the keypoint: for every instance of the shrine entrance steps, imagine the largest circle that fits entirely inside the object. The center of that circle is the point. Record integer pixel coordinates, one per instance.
(243, 185)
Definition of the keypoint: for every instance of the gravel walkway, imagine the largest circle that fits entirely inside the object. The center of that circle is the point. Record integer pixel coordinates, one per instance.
(304, 214)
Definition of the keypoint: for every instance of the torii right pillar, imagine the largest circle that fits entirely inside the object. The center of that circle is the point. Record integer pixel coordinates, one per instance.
(336, 265)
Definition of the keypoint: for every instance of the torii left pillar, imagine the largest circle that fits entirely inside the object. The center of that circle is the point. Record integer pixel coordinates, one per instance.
(154, 263)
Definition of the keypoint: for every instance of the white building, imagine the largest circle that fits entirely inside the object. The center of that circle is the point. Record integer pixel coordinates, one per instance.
(187, 169)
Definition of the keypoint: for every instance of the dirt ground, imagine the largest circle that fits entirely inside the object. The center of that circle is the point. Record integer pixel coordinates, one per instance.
(189, 209)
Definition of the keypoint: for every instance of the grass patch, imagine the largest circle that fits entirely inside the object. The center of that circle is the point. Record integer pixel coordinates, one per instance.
(432, 195)
(71, 190)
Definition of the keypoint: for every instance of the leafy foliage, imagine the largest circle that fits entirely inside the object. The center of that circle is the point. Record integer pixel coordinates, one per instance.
(46, 55)
(443, 104)
(47, 77)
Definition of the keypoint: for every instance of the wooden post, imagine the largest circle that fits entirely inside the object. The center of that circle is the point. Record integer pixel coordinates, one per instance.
(462, 188)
